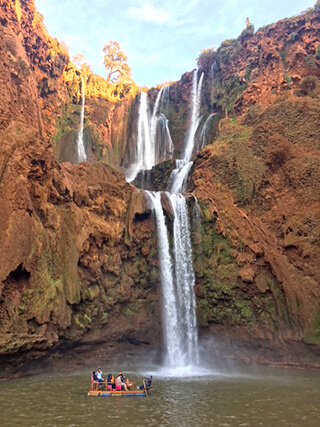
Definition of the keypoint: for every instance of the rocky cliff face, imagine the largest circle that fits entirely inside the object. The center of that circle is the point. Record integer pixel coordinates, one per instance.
(78, 249)
(257, 263)
(255, 68)
(76, 241)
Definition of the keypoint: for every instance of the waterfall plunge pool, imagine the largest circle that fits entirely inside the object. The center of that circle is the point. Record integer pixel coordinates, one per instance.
(260, 396)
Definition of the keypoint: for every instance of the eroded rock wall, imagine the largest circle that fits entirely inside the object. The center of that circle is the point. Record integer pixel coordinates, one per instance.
(257, 262)
(78, 258)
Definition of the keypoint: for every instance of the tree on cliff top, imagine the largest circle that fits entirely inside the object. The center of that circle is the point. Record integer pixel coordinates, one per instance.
(115, 63)
(207, 58)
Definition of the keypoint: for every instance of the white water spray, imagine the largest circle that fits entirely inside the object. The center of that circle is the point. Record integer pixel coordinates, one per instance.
(82, 155)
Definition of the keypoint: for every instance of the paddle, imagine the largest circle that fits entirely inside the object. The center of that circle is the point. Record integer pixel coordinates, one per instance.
(145, 388)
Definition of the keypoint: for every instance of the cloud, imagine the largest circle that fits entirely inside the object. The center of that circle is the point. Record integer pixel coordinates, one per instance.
(149, 13)
(164, 11)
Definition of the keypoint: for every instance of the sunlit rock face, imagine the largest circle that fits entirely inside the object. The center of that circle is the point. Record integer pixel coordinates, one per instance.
(76, 241)
(79, 263)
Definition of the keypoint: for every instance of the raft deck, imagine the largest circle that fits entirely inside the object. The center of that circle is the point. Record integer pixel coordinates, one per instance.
(117, 393)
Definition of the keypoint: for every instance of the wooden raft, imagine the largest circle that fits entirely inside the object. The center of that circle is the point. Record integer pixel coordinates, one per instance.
(117, 393)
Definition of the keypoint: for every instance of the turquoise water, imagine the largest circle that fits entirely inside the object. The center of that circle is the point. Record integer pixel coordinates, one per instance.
(261, 397)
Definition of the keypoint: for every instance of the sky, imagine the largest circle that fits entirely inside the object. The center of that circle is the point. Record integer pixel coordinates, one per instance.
(162, 38)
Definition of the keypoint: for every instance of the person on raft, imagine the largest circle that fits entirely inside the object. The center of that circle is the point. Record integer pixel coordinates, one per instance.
(94, 377)
(119, 381)
(147, 382)
(99, 375)
(110, 381)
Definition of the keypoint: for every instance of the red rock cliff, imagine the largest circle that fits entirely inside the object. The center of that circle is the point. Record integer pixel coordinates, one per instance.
(75, 241)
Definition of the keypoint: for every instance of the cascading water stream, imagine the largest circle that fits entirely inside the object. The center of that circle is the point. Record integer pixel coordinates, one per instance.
(82, 155)
(195, 112)
(177, 278)
(185, 281)
(170, 309)
(179, 176)
(153, 124)
(154, 145)
(144, 156)
(150, 149)
(159, 125)
(180, 320)
(205, 131)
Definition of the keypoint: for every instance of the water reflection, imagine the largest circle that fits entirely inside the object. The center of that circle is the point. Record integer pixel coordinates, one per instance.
(251, 397)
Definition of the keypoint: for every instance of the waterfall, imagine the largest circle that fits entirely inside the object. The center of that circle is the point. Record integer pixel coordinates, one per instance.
(154, 143)
(154, 115)
(195, 111)
(177, 274)
(144, 156)
(205, 131)
(163, 144)
(82, 156)
(179, 176)
(160, 133)
(170, 309)
(185, 281)
(177, 279)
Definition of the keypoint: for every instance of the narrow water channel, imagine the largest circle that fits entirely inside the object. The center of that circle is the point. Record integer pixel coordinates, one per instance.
(261, 397)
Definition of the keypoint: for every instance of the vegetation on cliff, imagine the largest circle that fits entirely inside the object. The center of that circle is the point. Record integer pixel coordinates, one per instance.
(256, 67)
(266, 168)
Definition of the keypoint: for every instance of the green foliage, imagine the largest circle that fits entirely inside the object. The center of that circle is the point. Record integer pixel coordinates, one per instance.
(225, 92)
(318, 52)
(308, 86)
(21, 67)
(223, 298)
(206, 58)
(67, 122)
(288, 80)
(283, 53)
(227, 50)
(11, 46)
(265, 28)
(293, 36)
(310, 62)
(248, 72)
(238, 167)
(247, 32)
